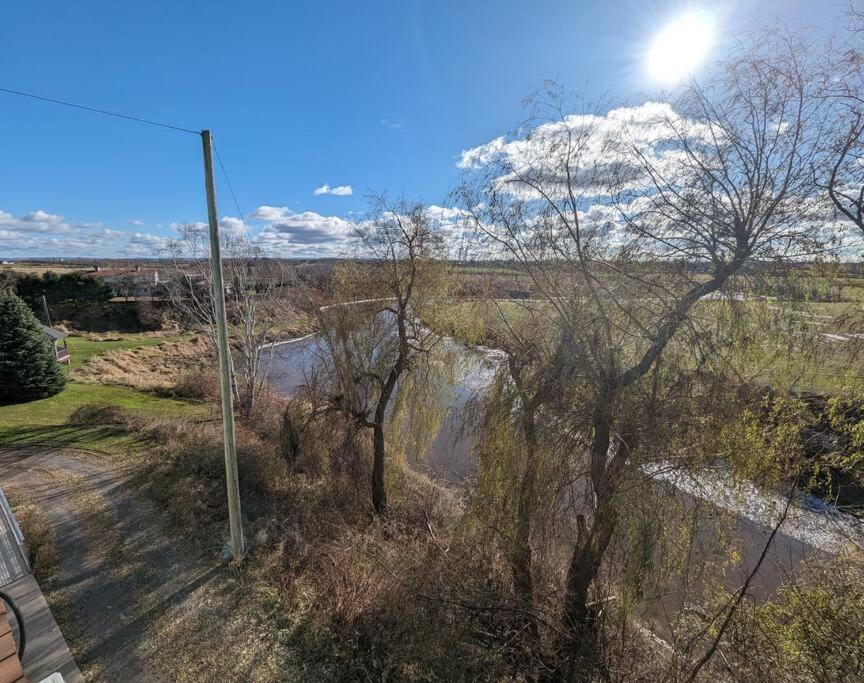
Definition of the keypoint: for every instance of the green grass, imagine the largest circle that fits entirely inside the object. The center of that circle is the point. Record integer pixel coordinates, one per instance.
(45, 421)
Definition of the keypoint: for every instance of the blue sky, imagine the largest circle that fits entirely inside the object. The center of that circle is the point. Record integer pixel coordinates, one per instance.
(374, 95)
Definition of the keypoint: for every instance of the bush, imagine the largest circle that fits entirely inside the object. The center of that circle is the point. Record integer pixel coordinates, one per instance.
(28, 366)
(264, 418)
(100, 414)
(187, 474)
(289, 436)
(69, 288)
(195, 385)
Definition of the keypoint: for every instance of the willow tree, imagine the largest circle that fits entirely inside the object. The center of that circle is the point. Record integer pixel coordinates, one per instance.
(516, 473)
(374, 336)
(624, 222)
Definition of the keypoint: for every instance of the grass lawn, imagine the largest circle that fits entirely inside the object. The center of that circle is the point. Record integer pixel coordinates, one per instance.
(45, 421)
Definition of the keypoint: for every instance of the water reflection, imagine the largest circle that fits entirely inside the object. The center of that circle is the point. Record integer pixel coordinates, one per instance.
(455, 393)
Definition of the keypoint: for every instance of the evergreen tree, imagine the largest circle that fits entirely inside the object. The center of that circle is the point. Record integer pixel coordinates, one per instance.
(28, 366)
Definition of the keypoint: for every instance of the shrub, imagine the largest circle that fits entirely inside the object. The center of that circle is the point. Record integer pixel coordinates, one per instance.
(100, 414)
(28, 366)
(289, 436)
(414, 596)
(195, 385)
(187, 474)
(264, 418)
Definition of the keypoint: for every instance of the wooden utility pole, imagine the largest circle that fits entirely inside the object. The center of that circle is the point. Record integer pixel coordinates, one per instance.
(224, 354)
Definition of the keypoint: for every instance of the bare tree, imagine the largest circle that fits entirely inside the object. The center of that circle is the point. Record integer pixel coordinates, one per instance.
(376, 343)
(126, 286)
(624, 223)
(845, 182)
(255, 301)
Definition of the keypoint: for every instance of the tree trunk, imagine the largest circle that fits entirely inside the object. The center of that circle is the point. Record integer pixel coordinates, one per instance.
(379, 493)
(576, 645)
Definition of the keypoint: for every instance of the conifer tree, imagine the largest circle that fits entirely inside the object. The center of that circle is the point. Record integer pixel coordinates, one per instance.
(28, 365)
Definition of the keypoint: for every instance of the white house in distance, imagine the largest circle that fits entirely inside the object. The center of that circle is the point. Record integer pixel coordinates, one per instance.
(135, 281)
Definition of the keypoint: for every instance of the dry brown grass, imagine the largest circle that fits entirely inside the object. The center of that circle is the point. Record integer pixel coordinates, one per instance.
(38, 534)
(120, 336)
(412, 596)
(148, 368)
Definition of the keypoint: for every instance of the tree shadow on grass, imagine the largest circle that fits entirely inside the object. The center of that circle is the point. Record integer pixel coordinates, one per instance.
(66, 436)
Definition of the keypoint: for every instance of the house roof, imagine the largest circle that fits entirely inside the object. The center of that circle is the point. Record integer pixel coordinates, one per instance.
(56, 335)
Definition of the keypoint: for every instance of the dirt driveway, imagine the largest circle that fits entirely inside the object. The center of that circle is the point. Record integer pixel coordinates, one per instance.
(134, 602)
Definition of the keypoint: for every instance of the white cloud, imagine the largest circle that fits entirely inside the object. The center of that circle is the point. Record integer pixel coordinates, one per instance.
(232, 225)
(307, 234)
(283, 232)
(39, 233)
(136, 222)
(339, 190)
(40, 216)
(270, 213)
(279, 230)
(586, 146)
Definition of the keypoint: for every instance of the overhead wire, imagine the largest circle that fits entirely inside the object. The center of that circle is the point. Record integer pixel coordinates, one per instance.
(231, 191)
(138, 119)
(85, 107)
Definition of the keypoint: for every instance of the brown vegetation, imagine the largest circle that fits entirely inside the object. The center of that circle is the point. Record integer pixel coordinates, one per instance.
(415, 595)
(158, 367)
(101, 415)
(38, 532)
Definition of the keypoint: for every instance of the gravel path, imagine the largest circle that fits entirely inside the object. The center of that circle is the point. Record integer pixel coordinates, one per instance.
(118, 580)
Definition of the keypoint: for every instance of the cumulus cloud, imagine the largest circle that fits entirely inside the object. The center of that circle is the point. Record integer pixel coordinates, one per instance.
(40, 216)
(338, 191)
(39, 233)
(34, 222)
(270, 213)
(231, 225)
(586, 146)
(302, 234)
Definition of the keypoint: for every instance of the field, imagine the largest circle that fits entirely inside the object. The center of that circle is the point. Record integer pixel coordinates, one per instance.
(809, 346)
(39, 268)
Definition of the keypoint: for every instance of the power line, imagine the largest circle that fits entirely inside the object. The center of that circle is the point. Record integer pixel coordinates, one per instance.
(138, 119)
(231, 190)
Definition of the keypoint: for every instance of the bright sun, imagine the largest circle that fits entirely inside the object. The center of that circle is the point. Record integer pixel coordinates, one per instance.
(680, 47)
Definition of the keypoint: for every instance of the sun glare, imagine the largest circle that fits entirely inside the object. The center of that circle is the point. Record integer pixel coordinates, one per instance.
(680, 47)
